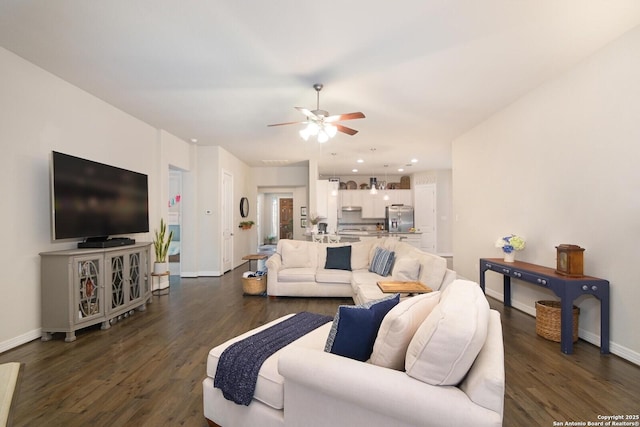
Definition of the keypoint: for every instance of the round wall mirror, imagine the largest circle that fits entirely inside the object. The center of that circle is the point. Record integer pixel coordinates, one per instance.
(244, 207)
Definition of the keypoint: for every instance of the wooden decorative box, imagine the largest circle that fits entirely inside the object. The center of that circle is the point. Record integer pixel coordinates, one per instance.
(570, 260)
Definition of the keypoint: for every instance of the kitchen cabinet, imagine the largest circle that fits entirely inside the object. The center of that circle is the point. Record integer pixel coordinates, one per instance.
(373, 205)
(350, 198)
(397, 197)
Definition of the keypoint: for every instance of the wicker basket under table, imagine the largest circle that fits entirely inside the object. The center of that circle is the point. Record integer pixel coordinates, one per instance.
(548, 320)
(254, 285)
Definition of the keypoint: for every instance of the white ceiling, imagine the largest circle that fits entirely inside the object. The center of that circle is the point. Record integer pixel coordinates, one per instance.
(422, 71)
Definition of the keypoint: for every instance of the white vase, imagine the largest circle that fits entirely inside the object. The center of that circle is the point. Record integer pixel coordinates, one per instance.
(160, 267)
(510, 257)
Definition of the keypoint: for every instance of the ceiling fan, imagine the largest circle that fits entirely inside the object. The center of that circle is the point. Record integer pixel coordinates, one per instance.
(320, 123)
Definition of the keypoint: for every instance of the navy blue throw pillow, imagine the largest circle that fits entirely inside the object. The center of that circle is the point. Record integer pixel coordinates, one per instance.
(355, 328)
(338, 258)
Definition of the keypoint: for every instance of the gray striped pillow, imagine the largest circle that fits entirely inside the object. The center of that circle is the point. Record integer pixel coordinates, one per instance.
(382, 262)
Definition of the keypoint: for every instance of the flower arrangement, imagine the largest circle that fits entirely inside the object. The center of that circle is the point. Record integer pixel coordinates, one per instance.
(510, 243)
(314, 218)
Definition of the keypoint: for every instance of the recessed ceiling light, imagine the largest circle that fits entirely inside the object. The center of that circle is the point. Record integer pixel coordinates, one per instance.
(400, 170)
(360, 161)
(194, 140)
(414, 160)
(354, 170)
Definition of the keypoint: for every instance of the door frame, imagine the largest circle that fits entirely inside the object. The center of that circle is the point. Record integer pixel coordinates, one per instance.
(226, 222)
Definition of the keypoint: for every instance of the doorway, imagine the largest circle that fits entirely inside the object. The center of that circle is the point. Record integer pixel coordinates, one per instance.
(174, 221)
(227, 221)
(425, 215)
(286, 218)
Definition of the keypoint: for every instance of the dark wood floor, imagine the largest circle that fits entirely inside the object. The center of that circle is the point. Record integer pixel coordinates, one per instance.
(147, 369)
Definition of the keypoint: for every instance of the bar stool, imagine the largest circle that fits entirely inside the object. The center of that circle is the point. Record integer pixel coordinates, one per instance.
(333, 238)
(317, 238)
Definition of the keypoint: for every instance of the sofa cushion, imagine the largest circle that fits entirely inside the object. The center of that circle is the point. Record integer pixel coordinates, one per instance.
(292, 275)
(338, 258)
(448, 341)
(333, 276)
(295, 254)
(381, 262)
(270, 384)
(398, 328)
(367, 292)
(355, 327)
(484, 384)
(406, 269)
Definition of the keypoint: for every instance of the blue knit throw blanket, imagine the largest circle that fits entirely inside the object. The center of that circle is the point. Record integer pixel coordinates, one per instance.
(239, 364)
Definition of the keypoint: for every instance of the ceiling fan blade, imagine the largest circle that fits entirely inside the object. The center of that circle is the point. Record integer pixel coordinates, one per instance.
(288, 123)
(340, 117)
(345, 129)
(308, 113)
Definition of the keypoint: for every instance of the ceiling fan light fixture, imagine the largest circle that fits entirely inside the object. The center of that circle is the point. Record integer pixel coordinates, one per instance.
(331, 130)
(304, 133)
(322, 136)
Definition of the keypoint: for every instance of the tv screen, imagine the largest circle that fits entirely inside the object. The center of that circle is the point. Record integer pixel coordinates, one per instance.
(94, 200)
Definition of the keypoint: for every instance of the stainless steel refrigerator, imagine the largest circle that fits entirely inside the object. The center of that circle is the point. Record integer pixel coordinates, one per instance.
(398, 218)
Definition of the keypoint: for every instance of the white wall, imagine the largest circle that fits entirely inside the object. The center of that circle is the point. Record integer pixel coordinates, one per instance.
(561, 166)
(207, 236)
(41, 113)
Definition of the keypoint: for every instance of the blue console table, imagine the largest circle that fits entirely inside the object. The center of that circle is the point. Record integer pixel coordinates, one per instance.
(567, 288)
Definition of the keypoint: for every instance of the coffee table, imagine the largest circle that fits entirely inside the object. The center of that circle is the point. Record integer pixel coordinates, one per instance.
(397, 286)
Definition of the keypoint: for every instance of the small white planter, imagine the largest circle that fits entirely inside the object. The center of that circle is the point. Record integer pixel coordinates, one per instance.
(160, 267)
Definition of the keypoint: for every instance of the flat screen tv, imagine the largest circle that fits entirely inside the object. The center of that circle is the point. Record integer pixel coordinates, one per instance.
(93, 201)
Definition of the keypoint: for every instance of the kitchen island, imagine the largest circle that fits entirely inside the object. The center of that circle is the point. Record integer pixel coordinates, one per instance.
(412, 238)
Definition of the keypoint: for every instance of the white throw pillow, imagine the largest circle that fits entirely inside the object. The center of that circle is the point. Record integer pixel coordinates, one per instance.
(449, 340)
(397, 329)
(293, 256)
(406, 269)
(360, 255)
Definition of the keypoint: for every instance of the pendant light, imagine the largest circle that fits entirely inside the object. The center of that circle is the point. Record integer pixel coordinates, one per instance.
(386, 184)
(373, 190)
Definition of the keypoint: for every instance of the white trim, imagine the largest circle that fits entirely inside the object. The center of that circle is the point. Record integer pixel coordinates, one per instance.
(21, 339)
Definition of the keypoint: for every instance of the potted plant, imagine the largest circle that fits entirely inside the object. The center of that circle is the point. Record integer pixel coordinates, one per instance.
(314, 219)
(161, 247)
(246, 225)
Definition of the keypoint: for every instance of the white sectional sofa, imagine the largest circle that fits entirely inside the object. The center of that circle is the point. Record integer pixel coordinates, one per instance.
(438, 360)
(298, 269)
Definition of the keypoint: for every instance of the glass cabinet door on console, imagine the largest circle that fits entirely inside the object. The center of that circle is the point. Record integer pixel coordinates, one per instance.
(88, 284)
(126, 276)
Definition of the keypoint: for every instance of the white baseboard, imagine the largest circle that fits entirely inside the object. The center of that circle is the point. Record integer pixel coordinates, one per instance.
(193, 275)
(590, 337)
(19, 340)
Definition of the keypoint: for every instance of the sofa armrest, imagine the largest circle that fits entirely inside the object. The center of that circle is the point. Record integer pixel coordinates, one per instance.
(274, 262)
(324, 389)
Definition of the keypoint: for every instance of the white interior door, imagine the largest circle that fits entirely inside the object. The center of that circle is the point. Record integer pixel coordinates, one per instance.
(425, 215)
(227, 221)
